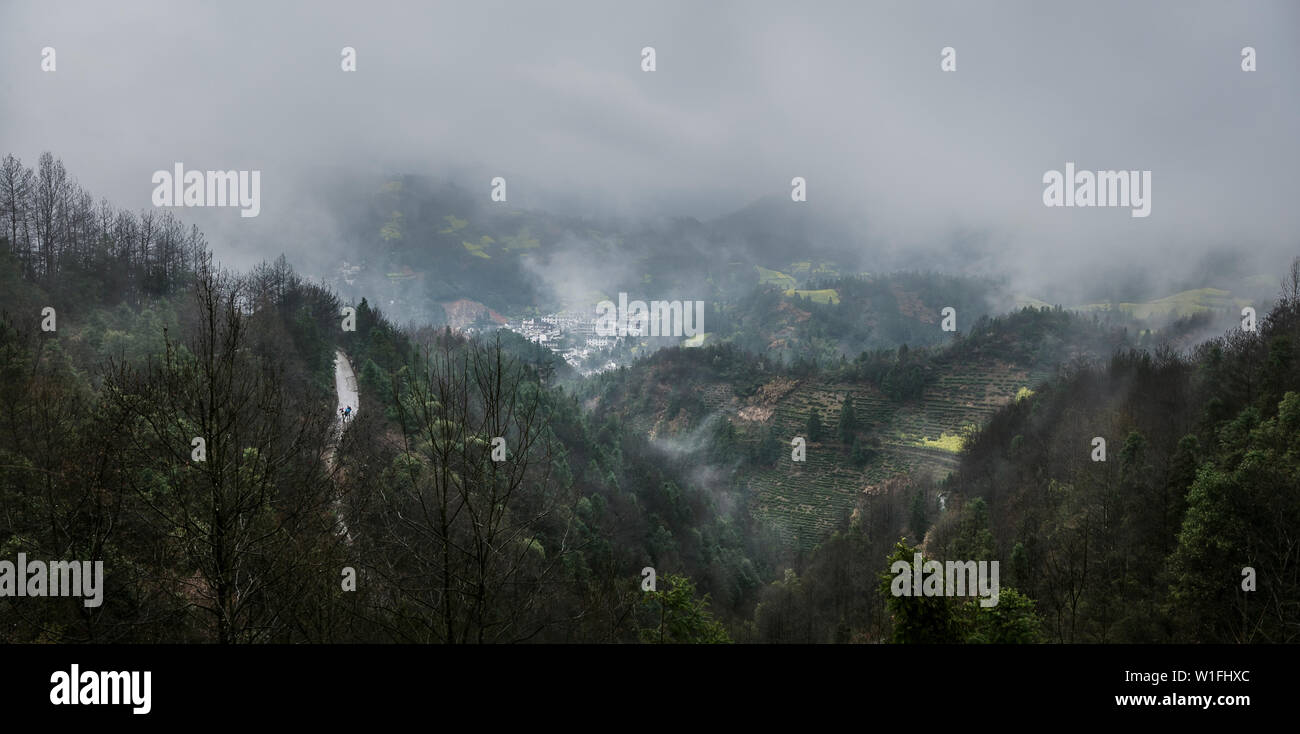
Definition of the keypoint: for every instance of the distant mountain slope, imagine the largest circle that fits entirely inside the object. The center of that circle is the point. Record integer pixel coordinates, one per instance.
(912, 408)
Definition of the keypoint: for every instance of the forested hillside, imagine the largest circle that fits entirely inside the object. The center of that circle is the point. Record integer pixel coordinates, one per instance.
(178, 423)
(1195, 500)
(1200, 481)
(886, 413)
(102, 402)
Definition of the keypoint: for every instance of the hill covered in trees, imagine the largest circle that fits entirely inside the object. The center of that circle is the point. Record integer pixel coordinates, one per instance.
(153, 348)
(1181, 532)
(120, 345)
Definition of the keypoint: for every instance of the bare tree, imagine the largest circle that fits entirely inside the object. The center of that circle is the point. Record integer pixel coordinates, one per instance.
(471, 547)
(248, 528)
(50, 192)
(15, 196)
(1291, 282)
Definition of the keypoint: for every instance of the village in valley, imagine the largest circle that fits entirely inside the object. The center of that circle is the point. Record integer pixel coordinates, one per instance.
(575, 337)
(572, 333)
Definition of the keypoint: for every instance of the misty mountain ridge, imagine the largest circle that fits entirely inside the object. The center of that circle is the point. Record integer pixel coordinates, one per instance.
(453, 244)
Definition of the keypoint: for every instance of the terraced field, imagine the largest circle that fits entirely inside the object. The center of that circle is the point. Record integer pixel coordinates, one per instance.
(960, 398)
(719, 396)
(806, 500)
(825, 295)
(1183, 303)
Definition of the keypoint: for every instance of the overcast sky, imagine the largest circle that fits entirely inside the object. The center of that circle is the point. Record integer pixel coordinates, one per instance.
(746, 95)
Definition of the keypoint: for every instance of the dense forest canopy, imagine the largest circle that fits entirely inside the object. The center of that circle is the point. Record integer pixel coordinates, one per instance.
(655, 502)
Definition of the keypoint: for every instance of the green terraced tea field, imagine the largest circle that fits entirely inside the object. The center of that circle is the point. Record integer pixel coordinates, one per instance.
(805, 501)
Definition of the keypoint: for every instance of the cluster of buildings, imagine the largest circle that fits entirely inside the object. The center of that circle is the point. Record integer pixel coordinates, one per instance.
(572, 336)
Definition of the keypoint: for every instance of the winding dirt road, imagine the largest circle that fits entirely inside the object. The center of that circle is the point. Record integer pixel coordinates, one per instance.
(345, 386)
